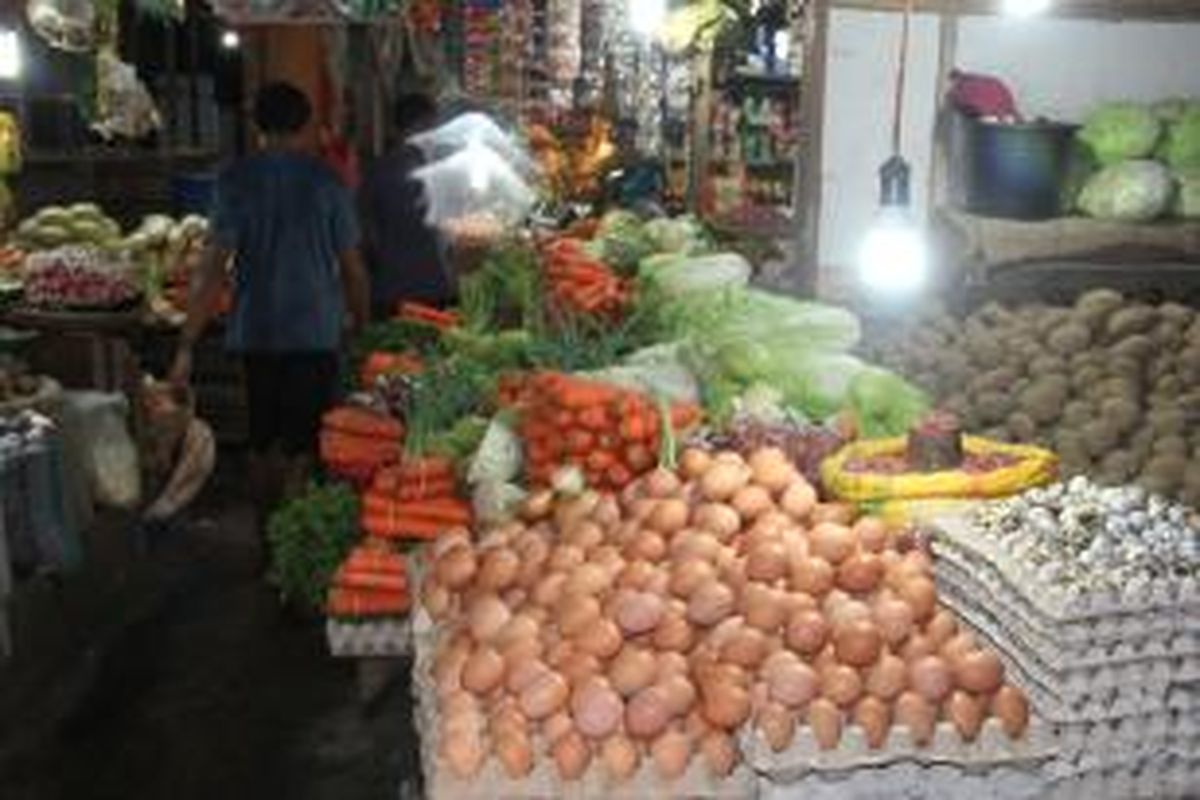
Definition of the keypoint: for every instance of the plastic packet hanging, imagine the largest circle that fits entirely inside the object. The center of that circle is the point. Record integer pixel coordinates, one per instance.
(475, 197)
(124, 107)
(472, 129)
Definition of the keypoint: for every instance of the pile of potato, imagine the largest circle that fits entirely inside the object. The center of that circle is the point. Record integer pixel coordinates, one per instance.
(608, 632)
(1112, 386)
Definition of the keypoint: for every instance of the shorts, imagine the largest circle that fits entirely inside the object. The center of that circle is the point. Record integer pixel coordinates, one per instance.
(287, 394)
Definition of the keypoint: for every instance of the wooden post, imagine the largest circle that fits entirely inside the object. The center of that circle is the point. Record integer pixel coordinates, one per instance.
(808, 173)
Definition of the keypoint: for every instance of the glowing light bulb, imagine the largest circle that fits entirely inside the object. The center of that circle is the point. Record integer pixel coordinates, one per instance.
(231, 40)
(894, 260)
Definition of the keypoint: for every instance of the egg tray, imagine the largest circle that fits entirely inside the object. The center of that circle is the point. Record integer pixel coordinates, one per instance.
(1087, 694)
(381, 639)
(912, 781)
(1164, 777)
(1164, 635)
(991, 749)
(492, 783)
(1063, 606)
(1099, 748)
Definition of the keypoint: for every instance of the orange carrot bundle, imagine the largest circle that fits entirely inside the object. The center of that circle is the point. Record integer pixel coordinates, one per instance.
(362, 422)
(366, 603)
(421, 520)
(382, 364)
(579, 283)
(611, 434)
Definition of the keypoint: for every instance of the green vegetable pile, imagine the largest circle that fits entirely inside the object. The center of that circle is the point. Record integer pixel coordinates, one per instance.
(310, 536)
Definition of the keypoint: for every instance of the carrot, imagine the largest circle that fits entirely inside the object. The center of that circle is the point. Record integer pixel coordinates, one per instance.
(375, 559)
(371, 581)
(419, 312)
(397, 527)
(576, 394)
(449, 511)
(363, 422)
(356, 603)
(636, 428)
(594, 419)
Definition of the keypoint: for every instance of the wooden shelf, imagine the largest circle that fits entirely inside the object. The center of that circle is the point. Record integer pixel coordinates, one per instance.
(1094, 9)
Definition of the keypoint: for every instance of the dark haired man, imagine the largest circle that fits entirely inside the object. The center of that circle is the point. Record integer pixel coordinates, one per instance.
(406, 257)
(289, 228)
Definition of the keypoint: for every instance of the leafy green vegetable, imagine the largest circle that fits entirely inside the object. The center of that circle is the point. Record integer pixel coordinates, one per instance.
(1117, 132)
(310, 537)
(884, 404)
(439, 398)
(505, 292)
(1133, 191)
(1181, 147)
(1187, 199)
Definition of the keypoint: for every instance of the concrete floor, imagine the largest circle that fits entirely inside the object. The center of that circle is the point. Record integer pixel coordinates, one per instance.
(176, 674)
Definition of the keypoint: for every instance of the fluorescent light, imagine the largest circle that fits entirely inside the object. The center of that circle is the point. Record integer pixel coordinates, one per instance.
(1026, 8)
(231, 40)
(646, 17)
(894, 260)
(10, 55)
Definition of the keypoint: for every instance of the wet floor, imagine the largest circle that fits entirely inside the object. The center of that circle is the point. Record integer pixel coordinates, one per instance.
(175, 673)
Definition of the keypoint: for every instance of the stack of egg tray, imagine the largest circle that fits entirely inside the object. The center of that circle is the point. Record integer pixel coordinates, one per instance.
(387, 638)
(1119, 677)
(492, 783)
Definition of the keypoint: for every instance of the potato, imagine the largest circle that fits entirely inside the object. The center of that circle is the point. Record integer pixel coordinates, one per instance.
(1069, 338)
(1131, 320)
(992, 407)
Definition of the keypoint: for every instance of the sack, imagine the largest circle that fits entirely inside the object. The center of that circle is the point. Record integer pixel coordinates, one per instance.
(110, 456)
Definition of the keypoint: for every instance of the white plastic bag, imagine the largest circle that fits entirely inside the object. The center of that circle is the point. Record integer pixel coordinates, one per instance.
(471, 129)
(110, 455)
(475, 196)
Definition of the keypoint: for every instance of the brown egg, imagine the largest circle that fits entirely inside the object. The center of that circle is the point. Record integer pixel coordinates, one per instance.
(577, 614)
(487, 615)
(777, 723)
(556, 726)
(841, 611)
(799, 500)
(620, 757)
(752, 502)
(521, 675)
(549, 590)
(483, 671)
(807, 633)
(763, 607)
(872, 534)
(719, 752)
(825, 719)
(669, 516)
(725, 705)
(894, 618)
(456, 568)
(966, 712)
(921, 596)
(464, 755)
(590, 578)
(602, 640)
(767, 562)
(931, 678)
(858, 643)
(942, 628)
(841, 684)
(717, 519)
(918, 715)
(671, 752)
(689, 575)
(793, 683)
(979, 671)
(632, 670)
(572, 756)
(875, 718)
(832, 542)
(498, 570)
(647, 713)
(579, 667)
(596, 709)
(545, 695)
(515, 754)
(1011, 707)
(711, 603)
(917, 647)
(565, 558)
(638, 612)
(812, 576)
(647, 546)
(860, 573)
(746, 647)
(636, 575)
(888, 678)
(958, 646)
(679, 694)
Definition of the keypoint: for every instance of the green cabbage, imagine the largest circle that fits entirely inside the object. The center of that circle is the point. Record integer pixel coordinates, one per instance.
(1172, 109)
(884, 404)
(1120, 131)
(1187, 199)
(1181, 147)
(680, 276)
(1134, 191)
(685, 235)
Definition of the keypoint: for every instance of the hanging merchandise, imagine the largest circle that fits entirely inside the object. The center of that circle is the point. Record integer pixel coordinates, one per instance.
(64, 24)
(565, 51)
(516, 28)
(596, 31)
(124, 107)
(466, 130)
(475, 196)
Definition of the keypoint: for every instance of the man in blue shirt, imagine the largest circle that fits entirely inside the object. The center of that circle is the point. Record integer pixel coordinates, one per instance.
(288, 227)
(405, 256)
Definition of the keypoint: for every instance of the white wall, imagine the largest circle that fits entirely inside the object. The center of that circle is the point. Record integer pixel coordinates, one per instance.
(1058, 68)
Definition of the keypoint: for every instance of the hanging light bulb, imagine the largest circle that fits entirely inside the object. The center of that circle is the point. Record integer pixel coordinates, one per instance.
(646, 17)
(231, 40)
(10, 55)
(894, 260)
(1025, 8)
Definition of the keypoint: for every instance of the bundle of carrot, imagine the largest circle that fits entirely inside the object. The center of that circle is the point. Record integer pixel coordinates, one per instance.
(380, 364)
(372, 582)
(613, 435)
(357, 442)
(414, 500)
(579, 283)
(427, 315)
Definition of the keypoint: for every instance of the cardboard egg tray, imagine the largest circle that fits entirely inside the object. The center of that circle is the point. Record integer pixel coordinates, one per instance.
(912, 781)
(1088, 690)
(991, 749)
(492, 783)
(381, 639)
(1158, 777)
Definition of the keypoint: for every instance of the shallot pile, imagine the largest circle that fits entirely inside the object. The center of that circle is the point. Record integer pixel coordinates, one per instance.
(76, 277)
(653, 627)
